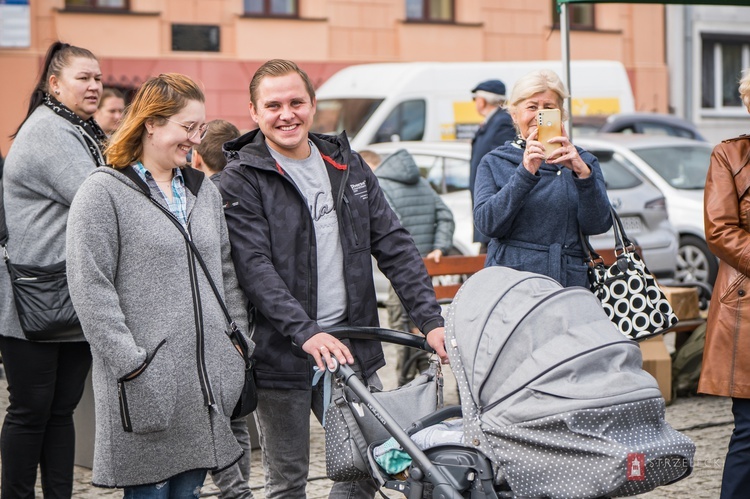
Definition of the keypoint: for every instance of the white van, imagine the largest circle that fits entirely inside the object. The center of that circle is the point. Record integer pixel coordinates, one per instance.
(432, 100)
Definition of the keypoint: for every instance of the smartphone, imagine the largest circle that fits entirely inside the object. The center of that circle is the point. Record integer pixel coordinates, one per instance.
(549, 125)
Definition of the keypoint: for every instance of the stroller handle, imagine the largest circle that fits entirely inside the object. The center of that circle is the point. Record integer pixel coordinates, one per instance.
(380, 334)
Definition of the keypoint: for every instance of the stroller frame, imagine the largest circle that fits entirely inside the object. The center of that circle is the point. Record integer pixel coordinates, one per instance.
(453, 471)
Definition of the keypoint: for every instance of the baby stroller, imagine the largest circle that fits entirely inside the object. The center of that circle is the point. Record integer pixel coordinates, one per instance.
(554, 403)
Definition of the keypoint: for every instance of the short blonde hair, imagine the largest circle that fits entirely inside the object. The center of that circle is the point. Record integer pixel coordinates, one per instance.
(745, 88)
(537, 82)
(278, 67)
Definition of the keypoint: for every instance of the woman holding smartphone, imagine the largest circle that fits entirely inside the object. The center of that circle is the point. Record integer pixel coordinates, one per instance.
(533, 195)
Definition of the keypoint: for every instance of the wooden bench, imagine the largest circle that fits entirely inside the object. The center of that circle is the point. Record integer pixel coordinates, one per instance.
(458, 265)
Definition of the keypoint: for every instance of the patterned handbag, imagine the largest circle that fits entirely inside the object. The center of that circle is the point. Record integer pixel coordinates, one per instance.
(627, 290)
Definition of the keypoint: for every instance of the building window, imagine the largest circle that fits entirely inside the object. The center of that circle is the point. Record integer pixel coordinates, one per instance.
(97, 4)
(272, 8)
(430, 10)
(195, 38)
(581, 16)
(723, 59)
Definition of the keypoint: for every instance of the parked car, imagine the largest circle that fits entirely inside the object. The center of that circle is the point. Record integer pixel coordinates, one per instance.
(678, 168)
(636, 123)
(639, 203)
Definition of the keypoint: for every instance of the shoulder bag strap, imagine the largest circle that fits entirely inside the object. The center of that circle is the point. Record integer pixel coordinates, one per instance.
(194, 250)
(3, 226)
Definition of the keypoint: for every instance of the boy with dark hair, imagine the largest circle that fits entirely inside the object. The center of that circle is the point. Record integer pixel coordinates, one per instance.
(208, 156)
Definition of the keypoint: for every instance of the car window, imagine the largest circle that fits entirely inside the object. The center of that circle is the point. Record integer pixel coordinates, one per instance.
(616, 170)
(445, 174)
(663, 129)
(683, 167)
(427, 164)
(337, 115)
(405, 122)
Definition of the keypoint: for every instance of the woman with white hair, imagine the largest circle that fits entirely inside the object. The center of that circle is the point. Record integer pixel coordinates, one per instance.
(726, 355)
(533, 204)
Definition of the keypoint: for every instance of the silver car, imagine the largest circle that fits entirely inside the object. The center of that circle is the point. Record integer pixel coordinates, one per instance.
(638, 201)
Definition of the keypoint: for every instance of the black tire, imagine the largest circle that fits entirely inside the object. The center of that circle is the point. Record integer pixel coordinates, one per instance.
(695, 262)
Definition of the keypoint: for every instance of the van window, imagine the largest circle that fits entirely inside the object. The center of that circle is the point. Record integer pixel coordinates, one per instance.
(337, 115)
(406, 122)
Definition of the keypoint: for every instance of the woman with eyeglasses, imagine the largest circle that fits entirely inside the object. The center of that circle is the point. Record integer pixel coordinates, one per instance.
(166, 374)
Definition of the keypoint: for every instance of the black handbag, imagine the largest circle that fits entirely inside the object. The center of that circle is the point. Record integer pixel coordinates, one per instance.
(248, 400)
(40, 294)
(42, 300)
(627, 290)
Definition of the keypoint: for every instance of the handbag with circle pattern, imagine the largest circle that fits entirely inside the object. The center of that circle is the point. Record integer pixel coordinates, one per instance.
(629, 293)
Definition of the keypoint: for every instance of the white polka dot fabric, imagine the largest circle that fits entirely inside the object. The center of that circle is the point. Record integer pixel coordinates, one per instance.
(554, 395)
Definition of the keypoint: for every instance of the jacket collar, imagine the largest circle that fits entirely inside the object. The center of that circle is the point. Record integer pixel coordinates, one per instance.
(192, 177)
(252, 151)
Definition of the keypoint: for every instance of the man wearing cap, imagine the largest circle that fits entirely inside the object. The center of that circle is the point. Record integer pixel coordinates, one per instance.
(496, 129)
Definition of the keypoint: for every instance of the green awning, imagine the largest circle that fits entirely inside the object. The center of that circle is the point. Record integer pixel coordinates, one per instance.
(744, 3)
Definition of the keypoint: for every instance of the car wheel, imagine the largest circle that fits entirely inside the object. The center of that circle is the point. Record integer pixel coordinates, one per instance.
(695, 262)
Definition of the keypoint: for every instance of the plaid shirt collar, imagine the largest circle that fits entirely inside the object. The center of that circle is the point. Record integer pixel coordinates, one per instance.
(178, 204)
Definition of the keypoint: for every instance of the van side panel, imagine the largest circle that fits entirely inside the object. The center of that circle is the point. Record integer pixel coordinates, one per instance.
(597, 87)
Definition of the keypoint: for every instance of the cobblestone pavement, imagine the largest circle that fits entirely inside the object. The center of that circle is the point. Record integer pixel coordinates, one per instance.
(707, 420)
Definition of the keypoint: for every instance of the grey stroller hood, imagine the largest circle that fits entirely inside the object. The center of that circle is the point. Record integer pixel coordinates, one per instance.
(555, 394)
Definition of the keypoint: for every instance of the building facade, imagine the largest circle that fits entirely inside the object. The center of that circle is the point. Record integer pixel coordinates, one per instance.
(707, 49)
(220, 43)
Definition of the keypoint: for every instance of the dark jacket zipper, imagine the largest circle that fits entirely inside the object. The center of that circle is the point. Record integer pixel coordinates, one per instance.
(208, 396)
(351, 220)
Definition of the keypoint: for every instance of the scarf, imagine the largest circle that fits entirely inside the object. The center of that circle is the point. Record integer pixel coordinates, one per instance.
(519, 142)
(90, 130)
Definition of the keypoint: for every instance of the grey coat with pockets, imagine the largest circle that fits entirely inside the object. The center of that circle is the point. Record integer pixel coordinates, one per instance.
(138, 294)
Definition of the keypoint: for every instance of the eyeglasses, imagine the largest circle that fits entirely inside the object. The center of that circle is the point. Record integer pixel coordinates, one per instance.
(192, 132)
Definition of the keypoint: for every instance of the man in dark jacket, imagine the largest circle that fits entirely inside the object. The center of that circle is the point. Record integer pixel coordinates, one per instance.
(304, 214)
(497, 128)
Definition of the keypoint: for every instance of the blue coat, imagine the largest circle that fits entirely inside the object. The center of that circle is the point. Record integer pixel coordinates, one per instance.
(533, 220)
(495, 132)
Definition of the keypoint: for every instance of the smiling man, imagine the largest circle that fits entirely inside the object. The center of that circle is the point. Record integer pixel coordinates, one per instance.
(305, 213)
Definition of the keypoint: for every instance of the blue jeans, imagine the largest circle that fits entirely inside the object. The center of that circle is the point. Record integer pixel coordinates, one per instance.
(186, 485)
(735, 482)
(283, 419)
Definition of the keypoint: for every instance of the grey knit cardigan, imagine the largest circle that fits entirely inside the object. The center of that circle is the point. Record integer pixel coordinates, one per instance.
(46, 165)
(132, 284)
